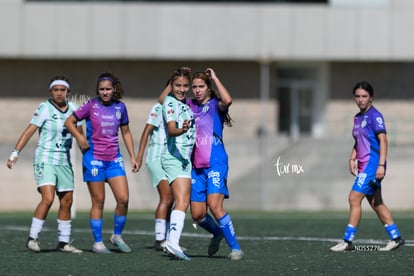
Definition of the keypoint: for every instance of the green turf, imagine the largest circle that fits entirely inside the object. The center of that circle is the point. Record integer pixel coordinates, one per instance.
(280, 243)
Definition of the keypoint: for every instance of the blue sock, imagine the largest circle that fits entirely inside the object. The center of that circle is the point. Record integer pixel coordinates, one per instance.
(210, 225)
(392, 231)
(349, 233)
(226, 226)
(96, 226)
(119, 223)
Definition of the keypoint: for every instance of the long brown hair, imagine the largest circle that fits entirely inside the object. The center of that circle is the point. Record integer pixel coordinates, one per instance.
(228, 121)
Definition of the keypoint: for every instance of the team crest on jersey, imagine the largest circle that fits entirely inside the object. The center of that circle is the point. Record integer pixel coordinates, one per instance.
(118, 114)
(364, 123)
(206, 108)
(154, 115)
(170, 111)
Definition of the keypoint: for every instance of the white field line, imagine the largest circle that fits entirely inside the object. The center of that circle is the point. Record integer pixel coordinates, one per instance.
(207, 236)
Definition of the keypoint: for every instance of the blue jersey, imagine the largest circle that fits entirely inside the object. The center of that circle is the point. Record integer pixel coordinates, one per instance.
(209, 121)
(102, 125)
(366, 128)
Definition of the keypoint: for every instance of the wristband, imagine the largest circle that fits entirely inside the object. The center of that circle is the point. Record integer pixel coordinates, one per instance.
(383, 165)
(14, 154)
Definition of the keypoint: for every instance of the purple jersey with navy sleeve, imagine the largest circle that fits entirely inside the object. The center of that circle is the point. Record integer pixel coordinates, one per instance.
(209, 122)
(102, 125)
(366, 128)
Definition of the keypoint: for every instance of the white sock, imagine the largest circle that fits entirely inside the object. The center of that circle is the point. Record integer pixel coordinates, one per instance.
(64, 230)
(36, 228)
(160, 227)
(176, 227)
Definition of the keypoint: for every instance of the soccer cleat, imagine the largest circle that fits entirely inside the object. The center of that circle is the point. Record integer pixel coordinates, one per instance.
(99, 247)
(177, 252)
(68, 248)
(342, 246)
(33, 244)
(392, 245)
(119, 242)
(159, 245)
(236, 254)
(214, 244)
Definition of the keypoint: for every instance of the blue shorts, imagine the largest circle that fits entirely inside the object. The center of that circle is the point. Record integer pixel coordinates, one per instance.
(212, 180)
(366, 182)
(98, 170)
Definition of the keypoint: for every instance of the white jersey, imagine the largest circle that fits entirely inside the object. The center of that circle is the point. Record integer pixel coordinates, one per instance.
(173, 110)
(158, 137)
(55, 141)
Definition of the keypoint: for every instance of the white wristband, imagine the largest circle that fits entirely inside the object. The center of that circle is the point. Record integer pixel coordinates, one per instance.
(14, 155)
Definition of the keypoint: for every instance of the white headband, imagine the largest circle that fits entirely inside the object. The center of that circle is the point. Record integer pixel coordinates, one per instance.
(59, 82)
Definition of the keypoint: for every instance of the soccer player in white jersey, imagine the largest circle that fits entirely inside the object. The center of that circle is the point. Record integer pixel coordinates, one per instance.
(176, 156)
(154, 131)
(52, 164)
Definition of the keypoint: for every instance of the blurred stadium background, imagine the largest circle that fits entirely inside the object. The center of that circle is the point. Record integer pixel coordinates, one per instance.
(290, 66)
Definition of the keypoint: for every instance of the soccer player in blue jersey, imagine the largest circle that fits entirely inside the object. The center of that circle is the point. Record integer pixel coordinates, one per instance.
(210, 161)
(154, 131)
(52, 165)
(368, 163)
(102, 161)
(176, 156)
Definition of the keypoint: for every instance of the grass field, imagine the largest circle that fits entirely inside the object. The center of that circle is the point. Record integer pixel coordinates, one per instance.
(280, 243)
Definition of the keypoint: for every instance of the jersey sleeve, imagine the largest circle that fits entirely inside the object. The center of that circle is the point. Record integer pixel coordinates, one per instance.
(378, 123)
(72, 108)
(83, 111)
(155, 116)
(124, 117)
(40, 115)
(169, 109)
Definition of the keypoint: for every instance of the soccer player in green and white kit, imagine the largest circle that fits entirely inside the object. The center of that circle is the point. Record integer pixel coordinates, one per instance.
(52, 164)
(176, 157)
(154, 131)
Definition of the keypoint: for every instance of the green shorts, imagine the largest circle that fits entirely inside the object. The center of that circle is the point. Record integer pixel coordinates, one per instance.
(156, 172)
(59, 176)
(175, 168)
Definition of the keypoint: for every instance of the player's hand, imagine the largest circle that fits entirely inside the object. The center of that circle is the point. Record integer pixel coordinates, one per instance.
(353, 168)
(83, 144)
(210, 72)
(12, 159)
(134, 165)
(186, 126)
(380, 172)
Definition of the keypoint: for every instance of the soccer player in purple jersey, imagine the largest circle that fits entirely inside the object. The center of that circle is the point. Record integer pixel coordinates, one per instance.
(102, 159)
(210, 161)
(368, 163)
